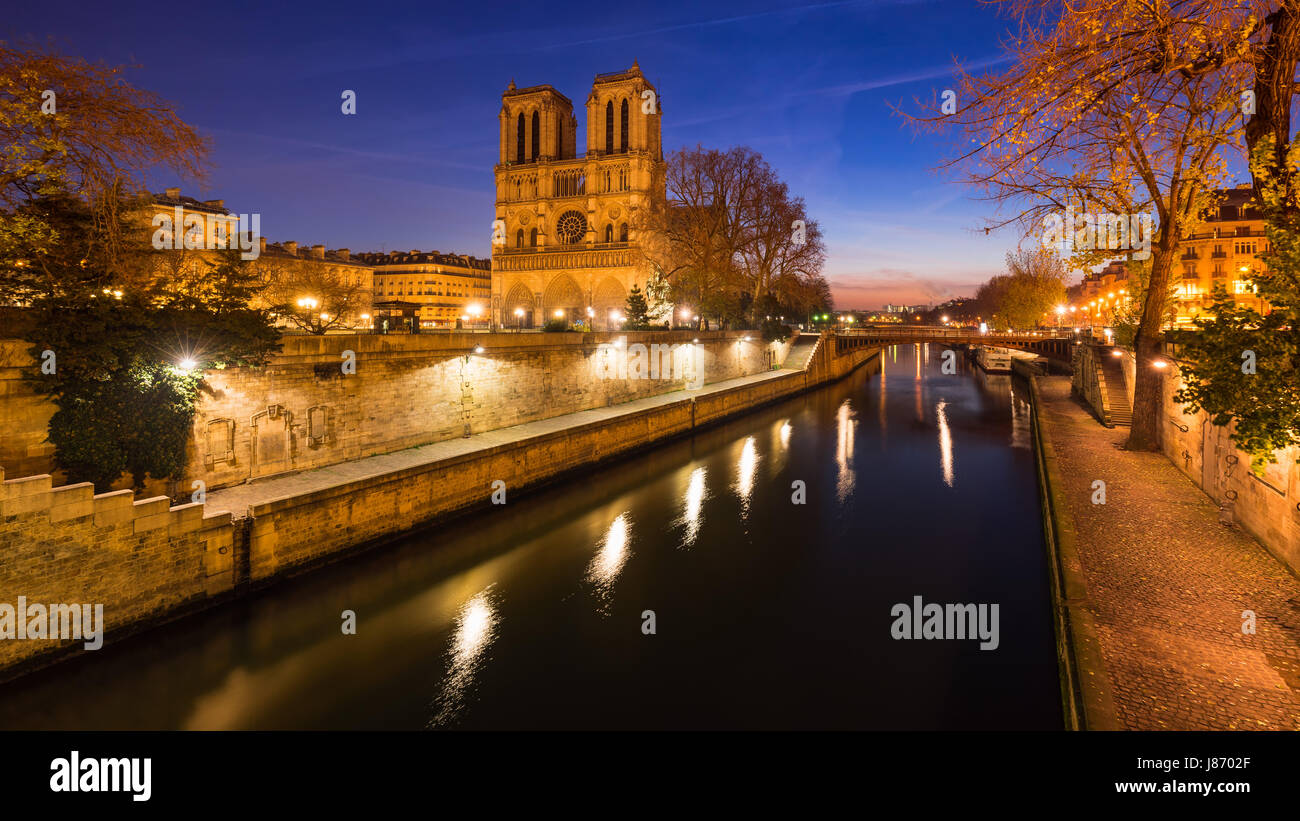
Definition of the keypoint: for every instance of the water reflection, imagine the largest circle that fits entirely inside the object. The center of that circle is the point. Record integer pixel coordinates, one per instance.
(512, 620)
(1019, 421)
(745, 470)
(845, 423)
(695, 495)
(884, 416)
(609, 560)
(475, 630)
(945, 443)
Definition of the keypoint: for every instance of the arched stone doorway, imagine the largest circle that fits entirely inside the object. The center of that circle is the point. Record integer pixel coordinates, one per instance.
(563, 300)
(610, 296)
(520, 298)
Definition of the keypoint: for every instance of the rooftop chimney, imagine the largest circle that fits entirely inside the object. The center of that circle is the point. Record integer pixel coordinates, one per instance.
(318, 251)
(345, 254)
(261, 242)
(291, 247)
(211, 203)
(172, 193)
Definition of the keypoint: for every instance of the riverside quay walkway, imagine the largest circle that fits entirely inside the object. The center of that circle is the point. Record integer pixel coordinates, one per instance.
(1158, 629)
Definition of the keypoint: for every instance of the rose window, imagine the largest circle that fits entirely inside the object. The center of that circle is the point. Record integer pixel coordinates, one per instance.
(572, 227)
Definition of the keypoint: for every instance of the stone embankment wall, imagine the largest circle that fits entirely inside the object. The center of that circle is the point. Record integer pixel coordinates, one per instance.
(136, 557)
(306, 410)
(1264, 498)
(147, 561)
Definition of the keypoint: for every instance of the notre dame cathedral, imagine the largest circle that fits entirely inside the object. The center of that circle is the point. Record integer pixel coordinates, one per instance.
(569, 249)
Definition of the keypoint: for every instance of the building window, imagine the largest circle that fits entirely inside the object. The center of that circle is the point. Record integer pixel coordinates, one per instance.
(519, 238)
(519, 140)
(537, 134)
(609, 127)
(571, 227)
(609, 233)
(623, 138)
(532, 238)
(622, 232)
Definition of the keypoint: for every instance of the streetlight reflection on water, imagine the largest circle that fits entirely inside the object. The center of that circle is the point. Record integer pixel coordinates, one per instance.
(745, 470)
(476, 624)
(844, 429)
(608, 562)
(945, 443)
(695, 495)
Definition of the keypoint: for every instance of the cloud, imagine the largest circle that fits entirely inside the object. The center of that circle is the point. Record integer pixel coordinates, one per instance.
(719, 21)
(914, 77)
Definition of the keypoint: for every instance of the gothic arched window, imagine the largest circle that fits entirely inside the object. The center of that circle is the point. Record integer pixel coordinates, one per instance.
(622, 232)
(609, 127)
(532, 238)
(519, 238)
(623, 139)
(519, 139)
(609, 232)
(537, 134)
(559, 138)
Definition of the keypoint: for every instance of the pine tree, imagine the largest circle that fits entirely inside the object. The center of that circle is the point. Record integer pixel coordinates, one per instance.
(638, 312)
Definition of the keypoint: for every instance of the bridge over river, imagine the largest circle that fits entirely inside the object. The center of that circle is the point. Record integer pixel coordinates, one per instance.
(1054, 344)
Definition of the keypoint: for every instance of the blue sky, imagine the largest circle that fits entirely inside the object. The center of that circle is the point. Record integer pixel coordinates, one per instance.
(809, 86)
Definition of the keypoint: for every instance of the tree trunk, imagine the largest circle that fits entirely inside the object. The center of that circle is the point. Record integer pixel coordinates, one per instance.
(1274, 92)
(1148, 390)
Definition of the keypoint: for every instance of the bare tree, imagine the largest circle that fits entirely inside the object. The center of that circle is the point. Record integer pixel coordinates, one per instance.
(1081, 122)
(728, 228)
(311, 297)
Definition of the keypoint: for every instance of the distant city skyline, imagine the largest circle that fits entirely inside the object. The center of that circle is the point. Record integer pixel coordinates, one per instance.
(807, 86)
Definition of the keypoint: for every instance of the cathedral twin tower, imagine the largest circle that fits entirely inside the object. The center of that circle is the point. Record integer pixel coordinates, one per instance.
(570, 248)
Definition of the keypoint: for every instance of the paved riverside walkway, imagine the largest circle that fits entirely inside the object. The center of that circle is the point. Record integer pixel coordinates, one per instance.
(1166, 587)
(239, 498)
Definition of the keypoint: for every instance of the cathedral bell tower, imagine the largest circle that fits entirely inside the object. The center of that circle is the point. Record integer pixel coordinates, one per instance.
(623, 115)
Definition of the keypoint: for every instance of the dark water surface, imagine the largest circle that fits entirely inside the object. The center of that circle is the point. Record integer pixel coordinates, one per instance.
(767, 613)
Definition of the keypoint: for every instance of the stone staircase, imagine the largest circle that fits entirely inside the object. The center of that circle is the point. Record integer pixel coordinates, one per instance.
(1112, 384)
(801, 352)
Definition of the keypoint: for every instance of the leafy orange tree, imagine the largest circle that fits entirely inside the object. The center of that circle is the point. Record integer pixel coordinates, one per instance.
(73, 127)
(1086, 121)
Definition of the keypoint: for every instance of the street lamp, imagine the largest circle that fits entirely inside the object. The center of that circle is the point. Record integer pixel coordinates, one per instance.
(519, 319)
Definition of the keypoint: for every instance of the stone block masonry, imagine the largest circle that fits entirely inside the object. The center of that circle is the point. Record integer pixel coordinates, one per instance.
(1261, 498)
(303, 411)
(140, 558)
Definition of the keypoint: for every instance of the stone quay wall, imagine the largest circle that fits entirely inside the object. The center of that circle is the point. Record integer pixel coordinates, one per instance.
(310, 528)
(136, 557)
(1263, 500)
(147, 561)
(306, 410)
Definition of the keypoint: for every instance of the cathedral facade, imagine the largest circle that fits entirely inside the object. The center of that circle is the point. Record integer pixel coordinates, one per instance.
(565, 243)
